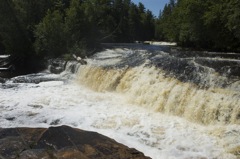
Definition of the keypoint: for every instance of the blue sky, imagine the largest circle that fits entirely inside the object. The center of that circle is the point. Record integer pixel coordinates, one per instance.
(153, 5)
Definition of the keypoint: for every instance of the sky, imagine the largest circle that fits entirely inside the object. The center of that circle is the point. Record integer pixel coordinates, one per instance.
(153, 5)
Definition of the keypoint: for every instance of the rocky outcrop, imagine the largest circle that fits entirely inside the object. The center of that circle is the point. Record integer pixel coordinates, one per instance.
(57, 65)
(62, 143)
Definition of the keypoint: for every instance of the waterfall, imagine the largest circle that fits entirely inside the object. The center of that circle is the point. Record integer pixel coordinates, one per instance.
(200, 95)
(163, 101)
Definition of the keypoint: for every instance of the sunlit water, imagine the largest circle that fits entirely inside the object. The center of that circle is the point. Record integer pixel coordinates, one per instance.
(115, 103)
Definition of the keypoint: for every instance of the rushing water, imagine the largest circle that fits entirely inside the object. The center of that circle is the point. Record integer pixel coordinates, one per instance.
(162, 102)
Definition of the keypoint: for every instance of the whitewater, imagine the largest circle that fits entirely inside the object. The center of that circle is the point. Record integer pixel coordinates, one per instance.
(126, 94)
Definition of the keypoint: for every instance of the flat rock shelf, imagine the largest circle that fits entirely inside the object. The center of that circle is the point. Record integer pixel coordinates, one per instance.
(62, 142)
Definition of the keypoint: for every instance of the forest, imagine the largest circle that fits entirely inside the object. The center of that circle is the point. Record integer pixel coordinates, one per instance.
(203, 24)
(35, 29)
(56, 27)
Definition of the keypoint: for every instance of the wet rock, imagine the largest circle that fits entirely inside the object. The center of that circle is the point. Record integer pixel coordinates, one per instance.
(61, 142)
(33, 78)
(10, 118)
(2, 80)
(57, 65)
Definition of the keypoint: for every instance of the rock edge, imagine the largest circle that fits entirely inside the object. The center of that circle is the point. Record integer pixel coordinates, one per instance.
(62, 142)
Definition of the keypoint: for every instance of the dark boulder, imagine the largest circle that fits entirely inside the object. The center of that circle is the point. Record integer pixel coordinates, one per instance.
(57, 65)
(2, 80)
(61, 142)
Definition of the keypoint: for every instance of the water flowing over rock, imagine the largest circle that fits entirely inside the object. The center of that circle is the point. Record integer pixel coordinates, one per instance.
(187, 84)
(61, 142)
(59, 65)
(166, 102)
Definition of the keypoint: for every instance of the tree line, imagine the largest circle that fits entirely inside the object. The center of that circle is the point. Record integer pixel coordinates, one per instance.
(34, 29)
(56, 27)
(206, 24)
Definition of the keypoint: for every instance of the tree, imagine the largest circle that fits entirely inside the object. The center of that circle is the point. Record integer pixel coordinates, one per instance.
(166, 28)
(78, 27)
(233, 17)
(209, 24)
(191, 25)
(50, 35)
(13, 34)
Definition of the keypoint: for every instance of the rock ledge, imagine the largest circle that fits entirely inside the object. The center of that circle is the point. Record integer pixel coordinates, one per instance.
(61, 142)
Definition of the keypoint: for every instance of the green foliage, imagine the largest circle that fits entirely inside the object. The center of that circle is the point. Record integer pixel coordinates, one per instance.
(56, 27)
(82, 25)
(80, 49)
(13, 35)
(233, 17)
(50, 35)
(67, 57)
(211, 24)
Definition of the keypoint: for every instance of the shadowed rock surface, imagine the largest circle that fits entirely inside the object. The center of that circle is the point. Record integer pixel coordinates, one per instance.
(61, 143)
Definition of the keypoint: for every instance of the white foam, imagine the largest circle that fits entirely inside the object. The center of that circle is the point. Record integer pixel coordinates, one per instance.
(162, 43)
(155, 134)
(50, 83)
(4, 56)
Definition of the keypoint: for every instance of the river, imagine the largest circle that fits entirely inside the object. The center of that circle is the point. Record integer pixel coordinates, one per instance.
(164, 102)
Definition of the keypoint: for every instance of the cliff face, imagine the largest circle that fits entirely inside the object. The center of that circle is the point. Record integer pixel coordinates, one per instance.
(61, 142)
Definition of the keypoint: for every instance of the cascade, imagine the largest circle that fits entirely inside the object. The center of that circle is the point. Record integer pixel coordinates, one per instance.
(202, 97)
(160, 100)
